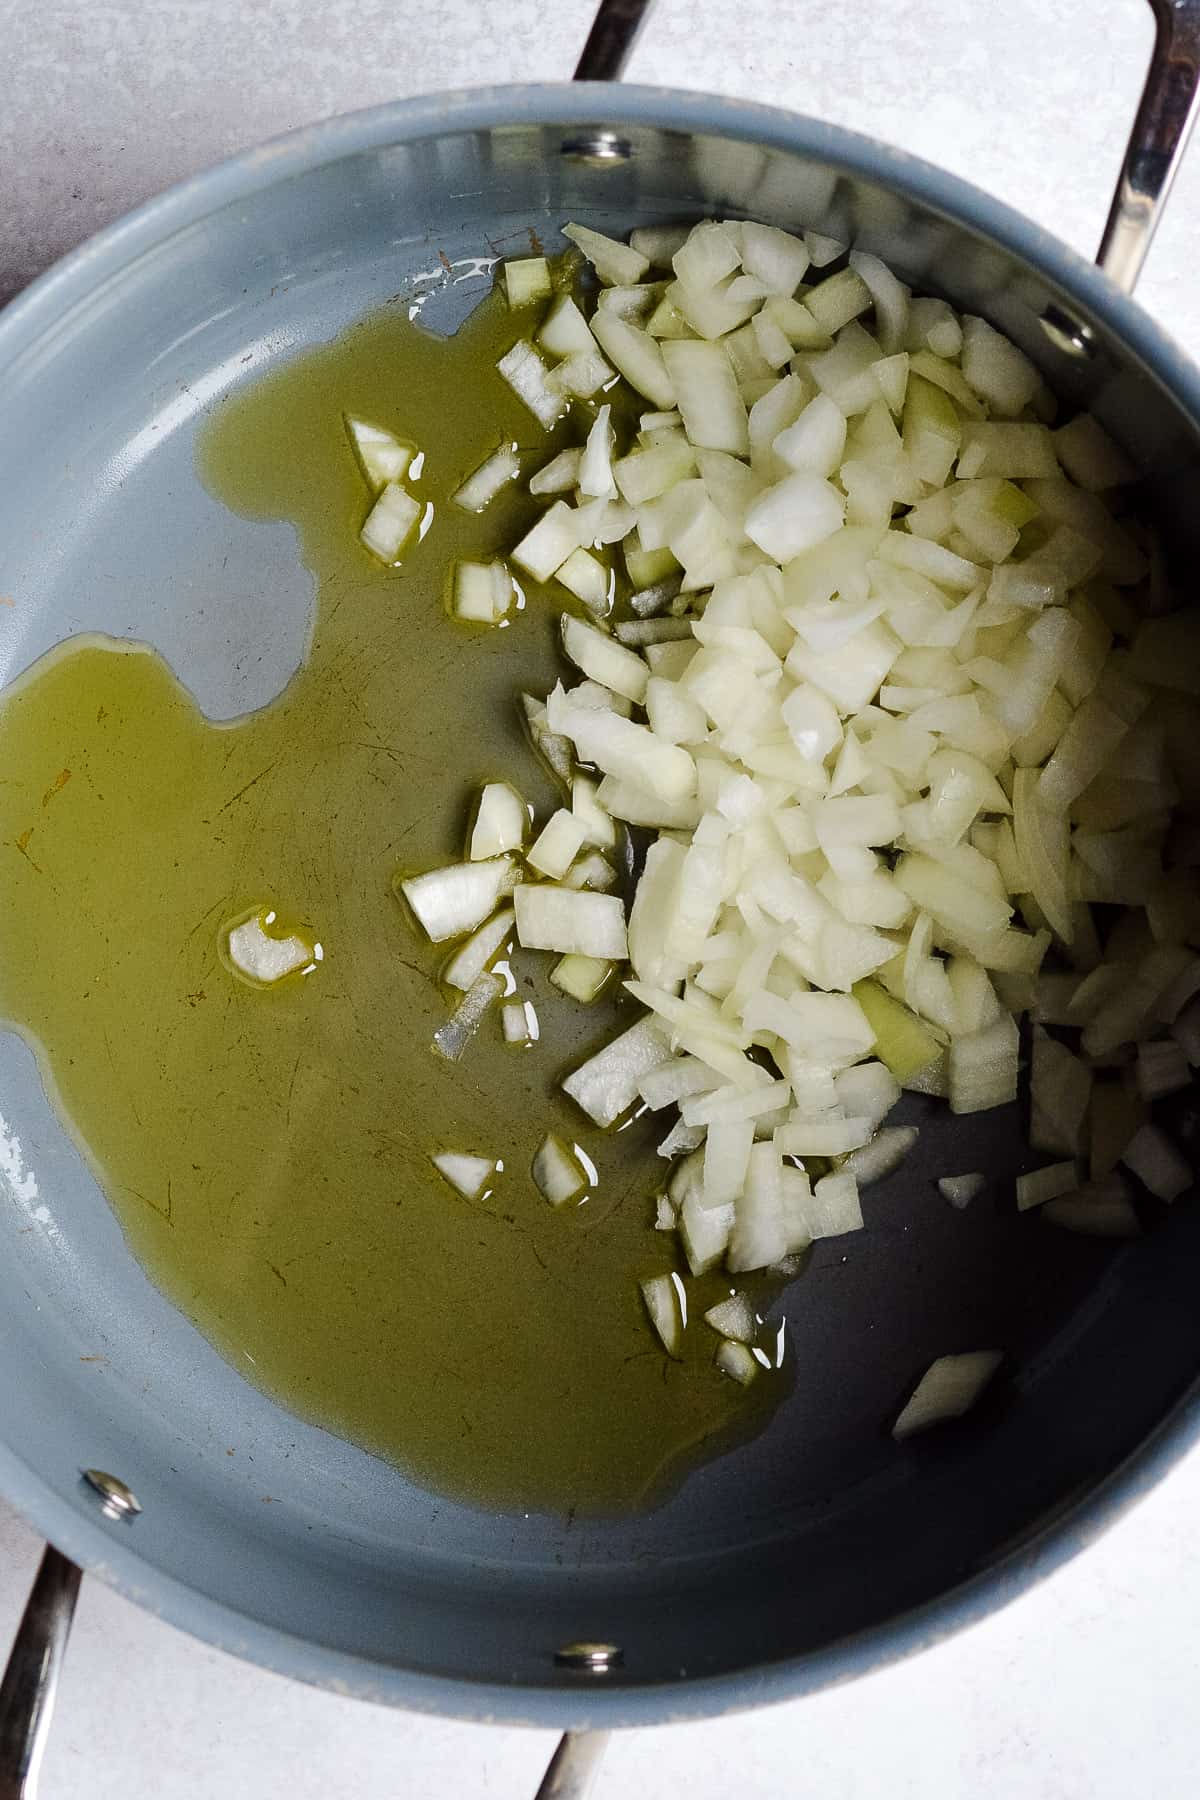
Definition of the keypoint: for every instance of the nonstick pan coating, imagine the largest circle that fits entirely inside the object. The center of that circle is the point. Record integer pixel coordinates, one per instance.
(816, 1549)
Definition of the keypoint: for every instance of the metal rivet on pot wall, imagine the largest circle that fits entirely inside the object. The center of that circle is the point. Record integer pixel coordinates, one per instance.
(116, 1500)
(592, 1659)
(1068, 334)
(597, 148)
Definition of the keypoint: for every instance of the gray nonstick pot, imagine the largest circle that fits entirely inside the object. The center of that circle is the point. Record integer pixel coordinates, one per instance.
(821, 1548)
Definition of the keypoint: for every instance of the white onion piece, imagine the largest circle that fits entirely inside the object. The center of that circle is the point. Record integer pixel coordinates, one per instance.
(582, 977)
(556, 845)
(452, 901)
(518, 1021)
(557, 1171)
(606, 1086)
(480, 950)
(501, 467)
(882, 1155)
(618, 264)
(949, 1388)
(525, 372)
(526, 280)
(1060, 1092)
(737, 1361)
(383, 457)
(571, 921)
(960, 1190)
(733, 1318)
(1046, 1184)
(501, 822)
(390, 523)
(661, 1298)
(262, 958)
(467, 1174)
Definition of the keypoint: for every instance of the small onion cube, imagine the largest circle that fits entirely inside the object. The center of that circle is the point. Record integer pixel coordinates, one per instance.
(948, 1389)
(480, 949)
(390, 523)
(571, 921)
(960, 1190)
(467, 1174)
(615, 263)
(545, 547)
(556, 845)
(661, 1299)
(501, 467)
(604, 660)
(557, 1171)
(514, 1022)
(383, 457)
(565, 331)
(606, 1086)
(882, 1155)
(735, 1360)
(526, 280)
(262, 958)
(525, 372)
(582, 977)
(1045, 1184)
(733, 1318)
(450, 902)
(501, 822)
(1102, 1210)
(483, 592)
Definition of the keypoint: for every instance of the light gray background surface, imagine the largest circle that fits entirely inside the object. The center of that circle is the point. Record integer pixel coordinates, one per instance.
(1087, 1688)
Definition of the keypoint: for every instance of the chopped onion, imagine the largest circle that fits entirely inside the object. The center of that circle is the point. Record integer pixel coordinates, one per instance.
(390, 523)
(501, 467)
(737, 1361)
(526, 280)
(450, 902)
(501, 822)
(898, 725)
(1046, 1184)
(571, 921)
(606, 1086)
(480, 950)
(1060, 1093)
(525, 372)
(882, 1155)
(518, 1022)
(263, 958)
(960, 1190)
(949, 1388)
(483, 592)
(468, 1175)
(557, 845)
(582, 977)
(661, 1295)
(557, 1171)
(733, 1318)
(614, 262)
(383, 457)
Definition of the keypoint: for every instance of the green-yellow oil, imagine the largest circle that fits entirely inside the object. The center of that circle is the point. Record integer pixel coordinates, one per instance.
(267, 1152)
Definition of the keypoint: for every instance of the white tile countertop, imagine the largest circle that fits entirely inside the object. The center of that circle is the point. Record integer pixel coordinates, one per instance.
(1085, 1688)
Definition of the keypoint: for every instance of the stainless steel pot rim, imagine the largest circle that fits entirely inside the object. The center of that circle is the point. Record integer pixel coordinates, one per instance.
(104, 1549)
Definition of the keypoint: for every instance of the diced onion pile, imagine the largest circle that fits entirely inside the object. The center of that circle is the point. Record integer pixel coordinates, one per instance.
(899, 699)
